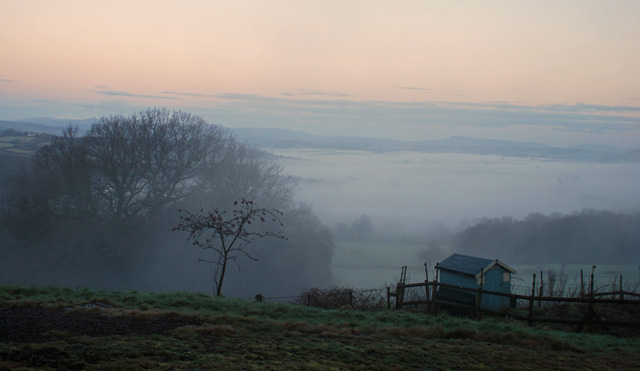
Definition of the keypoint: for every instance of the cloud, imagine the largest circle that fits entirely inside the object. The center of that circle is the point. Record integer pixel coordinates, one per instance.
(413, 88)
(186, 94)
(119, 93)
(7, 80)
(588, 108)
(240, 96)
(249, 97)
(314, 92)
(317, 113)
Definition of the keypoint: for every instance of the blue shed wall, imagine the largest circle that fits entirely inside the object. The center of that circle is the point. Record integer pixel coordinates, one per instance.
(458, 279)
(493, 281)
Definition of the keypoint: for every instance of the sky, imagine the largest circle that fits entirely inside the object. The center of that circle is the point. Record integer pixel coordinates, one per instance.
(557, 72)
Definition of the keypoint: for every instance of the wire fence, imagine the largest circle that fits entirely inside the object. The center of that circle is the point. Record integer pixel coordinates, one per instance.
(549, 284)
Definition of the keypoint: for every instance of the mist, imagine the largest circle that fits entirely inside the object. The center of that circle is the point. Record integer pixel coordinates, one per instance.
(421, 207)
(410, 191)
(352, 217)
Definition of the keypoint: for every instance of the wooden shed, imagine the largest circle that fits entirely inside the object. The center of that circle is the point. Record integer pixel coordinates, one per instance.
(473, 272)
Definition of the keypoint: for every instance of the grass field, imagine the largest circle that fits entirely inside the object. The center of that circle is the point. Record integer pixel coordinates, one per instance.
(24, 145)
(11, 139)
(54, 328)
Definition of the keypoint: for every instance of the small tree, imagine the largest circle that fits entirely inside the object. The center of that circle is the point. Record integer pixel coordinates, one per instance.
(228, 235)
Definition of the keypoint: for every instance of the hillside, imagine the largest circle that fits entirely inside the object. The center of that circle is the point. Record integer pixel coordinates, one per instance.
(76, 329)
(16, 147)
(280, 138)
(29, 126)
(21, 143)
(284, 138)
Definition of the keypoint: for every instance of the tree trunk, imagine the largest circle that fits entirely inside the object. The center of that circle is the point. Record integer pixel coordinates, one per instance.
(221, 278)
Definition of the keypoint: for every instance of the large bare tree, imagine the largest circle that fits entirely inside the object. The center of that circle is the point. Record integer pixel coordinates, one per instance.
(97, 207)
(147, 161)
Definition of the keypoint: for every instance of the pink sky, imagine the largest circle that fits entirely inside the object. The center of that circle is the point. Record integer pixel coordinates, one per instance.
(88, 58)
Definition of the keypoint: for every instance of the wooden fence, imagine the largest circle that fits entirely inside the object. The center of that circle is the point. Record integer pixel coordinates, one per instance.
(592, 304)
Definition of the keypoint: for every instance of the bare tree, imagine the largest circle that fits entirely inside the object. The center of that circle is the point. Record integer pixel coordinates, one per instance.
(239, 170)
(64, 166)
(148, 160)
(228, 234)
(173, 149)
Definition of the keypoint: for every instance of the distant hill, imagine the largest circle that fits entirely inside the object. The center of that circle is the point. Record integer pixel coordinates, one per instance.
(28, 126)
(45, 124)
(282, 138)
(82, 124)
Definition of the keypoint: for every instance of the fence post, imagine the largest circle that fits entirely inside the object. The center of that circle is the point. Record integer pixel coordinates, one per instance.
(479, 294)
(581, 284)
(398, 296)
(533, 294)
(426, 288)
(351, 298)
(591, 283)
(435, 292)
(426, 272)
(388, 297)
(621, 292)
(541, 290)
(590, 310)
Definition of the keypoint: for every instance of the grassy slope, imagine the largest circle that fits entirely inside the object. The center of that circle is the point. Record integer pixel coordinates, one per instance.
(228, 333)
(24, 145)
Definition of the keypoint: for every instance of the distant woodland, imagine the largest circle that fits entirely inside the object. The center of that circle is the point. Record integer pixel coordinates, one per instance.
(585, 237)
(97, 210)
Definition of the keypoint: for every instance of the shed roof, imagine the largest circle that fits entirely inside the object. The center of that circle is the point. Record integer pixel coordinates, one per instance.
(470, 265)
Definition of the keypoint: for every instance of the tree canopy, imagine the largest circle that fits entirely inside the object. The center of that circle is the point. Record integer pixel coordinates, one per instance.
(585, 237)
(98, 209)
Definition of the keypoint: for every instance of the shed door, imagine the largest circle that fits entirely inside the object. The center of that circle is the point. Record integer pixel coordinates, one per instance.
(494, 281)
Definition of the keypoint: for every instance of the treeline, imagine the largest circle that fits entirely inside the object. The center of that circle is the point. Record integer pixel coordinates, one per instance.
(97, 210)
(585, 237)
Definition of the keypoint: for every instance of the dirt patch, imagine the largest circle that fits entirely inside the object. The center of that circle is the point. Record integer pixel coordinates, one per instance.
(28, 324)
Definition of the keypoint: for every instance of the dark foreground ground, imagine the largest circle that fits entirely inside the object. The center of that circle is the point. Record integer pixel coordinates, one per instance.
(97, 337)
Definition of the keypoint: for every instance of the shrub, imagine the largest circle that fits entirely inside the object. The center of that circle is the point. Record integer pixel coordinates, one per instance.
(337, 297)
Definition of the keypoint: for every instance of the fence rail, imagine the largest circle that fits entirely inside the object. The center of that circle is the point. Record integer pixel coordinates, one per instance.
(590, 303)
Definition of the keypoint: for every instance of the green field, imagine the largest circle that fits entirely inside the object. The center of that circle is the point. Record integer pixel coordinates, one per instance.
(54, 328)
(10, 139)
(23, 145)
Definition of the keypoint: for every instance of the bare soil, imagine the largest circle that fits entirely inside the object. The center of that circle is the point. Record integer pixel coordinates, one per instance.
(34, 324)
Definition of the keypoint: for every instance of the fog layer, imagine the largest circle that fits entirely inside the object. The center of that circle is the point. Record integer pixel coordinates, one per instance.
(410, 191)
